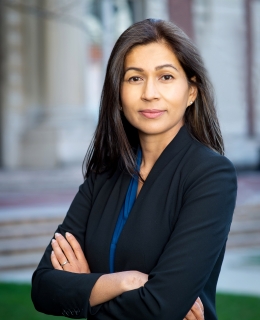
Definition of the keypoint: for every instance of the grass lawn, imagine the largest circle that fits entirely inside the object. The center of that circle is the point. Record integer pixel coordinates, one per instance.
(15, 303)
(234, 307)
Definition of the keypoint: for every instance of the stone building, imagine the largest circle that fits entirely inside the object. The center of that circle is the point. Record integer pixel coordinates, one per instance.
(228, 35)
(53, 54)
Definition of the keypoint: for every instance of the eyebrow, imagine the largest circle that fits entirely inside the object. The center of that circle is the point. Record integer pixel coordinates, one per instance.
(156, 68)
(167, 65)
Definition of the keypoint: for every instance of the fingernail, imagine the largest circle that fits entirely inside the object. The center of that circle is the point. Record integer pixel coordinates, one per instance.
(53, 240)
(57, 234)
(68, 234)
(52, 252)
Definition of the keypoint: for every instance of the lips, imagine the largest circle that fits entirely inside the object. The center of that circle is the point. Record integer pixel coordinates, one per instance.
(152, 113)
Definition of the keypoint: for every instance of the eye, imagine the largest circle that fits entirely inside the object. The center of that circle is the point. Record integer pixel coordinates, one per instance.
(134, 79)
(167, 77)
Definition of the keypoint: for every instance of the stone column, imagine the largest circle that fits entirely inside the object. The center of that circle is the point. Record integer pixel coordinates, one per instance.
(220, 33)
(156, 9)
(108, 38)
(12, 88)
(181, 14)
(64, 130)
(2, 57)
(256, 67)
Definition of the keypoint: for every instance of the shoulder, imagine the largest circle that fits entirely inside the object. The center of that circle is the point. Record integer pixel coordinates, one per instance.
(191, 155)
(200, 156)
(203, 164)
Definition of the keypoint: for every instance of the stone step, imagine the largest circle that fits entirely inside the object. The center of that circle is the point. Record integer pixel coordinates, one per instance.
(18, 245)
(245, 226)
(41, 180)
(245, 212)
(20, 261)
(12, 258)
(32, 214)
(22, 230)
(26, 231)
(244, 240)
(23, 275)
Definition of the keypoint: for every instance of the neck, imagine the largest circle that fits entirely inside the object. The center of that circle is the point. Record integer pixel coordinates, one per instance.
(152, 147)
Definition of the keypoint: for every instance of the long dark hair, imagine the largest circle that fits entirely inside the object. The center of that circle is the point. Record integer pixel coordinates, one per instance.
(115, 139)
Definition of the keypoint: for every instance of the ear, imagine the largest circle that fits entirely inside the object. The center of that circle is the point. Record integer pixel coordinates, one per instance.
(193, 91)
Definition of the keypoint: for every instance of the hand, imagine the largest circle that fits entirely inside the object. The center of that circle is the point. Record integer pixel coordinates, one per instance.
(196, 312)
(68, 249)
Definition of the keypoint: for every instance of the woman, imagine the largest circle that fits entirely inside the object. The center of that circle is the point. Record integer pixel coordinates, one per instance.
(145, 235)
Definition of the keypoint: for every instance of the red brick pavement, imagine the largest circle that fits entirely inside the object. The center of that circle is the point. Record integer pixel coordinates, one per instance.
(56, 186)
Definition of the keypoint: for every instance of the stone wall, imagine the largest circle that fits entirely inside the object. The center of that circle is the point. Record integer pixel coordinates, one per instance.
(220, 31)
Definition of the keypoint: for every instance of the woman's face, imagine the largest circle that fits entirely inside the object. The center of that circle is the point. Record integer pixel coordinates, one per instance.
(155, 92)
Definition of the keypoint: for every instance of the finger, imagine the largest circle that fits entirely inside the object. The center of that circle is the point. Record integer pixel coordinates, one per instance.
(65, 247)
(200, 303)
(55, 262)
(58, 252)
(75, 246)
(190, 316)
(197, 311)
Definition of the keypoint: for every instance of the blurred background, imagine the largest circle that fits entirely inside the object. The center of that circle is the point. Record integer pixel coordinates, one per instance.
(53, 55)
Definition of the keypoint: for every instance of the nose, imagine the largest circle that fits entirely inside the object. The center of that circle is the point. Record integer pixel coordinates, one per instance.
(150, 90)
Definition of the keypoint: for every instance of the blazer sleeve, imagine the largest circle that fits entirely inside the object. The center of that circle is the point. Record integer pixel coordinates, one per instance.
(64, 293)
(191, 252)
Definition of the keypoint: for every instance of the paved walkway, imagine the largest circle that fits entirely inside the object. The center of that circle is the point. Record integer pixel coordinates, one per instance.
(241, 272)
(33, 203)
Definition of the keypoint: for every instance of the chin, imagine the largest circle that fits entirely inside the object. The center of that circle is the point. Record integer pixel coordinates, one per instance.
(151, 131)
(160, 130)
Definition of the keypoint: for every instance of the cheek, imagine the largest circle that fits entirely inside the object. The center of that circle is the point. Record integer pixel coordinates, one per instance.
(124, 94)
(176, 95)
(128, 97)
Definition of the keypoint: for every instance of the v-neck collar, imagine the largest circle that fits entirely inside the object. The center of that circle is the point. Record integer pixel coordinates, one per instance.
(172, 149)
(180, 141)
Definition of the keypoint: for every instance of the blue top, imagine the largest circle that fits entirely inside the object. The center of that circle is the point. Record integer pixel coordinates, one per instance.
(124, 212)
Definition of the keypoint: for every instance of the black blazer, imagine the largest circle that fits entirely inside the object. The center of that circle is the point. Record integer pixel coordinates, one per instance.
(176, 232)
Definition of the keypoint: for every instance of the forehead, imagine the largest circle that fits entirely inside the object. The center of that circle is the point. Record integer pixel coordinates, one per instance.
(152, 54)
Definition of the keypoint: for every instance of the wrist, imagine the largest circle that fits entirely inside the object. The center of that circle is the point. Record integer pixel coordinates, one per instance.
(126, 280)
(133, 280)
